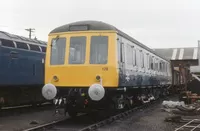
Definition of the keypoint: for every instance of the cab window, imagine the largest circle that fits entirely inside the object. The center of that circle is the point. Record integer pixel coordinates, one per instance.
(58, 46)
(77, 50)
(34, 47)
(6, 43)
(22, 45)
(99, 50)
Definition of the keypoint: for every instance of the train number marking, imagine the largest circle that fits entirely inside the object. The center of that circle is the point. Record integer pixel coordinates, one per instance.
(105, 68)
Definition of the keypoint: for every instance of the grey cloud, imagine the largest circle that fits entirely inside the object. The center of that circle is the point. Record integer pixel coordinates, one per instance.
(156, 23)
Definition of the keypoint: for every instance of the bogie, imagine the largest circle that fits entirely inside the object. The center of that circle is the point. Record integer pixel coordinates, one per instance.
(113, 102)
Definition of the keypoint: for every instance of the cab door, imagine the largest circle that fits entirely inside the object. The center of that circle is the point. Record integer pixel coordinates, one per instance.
(8, 60)
(121, 61)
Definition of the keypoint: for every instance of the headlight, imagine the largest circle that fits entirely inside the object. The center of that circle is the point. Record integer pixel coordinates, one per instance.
(55, 78)
(96, 92)
(98, 77)
(49, 91)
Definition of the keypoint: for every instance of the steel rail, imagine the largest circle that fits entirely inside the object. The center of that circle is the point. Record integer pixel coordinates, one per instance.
(96, 125)
(115, 117)
(44, 126)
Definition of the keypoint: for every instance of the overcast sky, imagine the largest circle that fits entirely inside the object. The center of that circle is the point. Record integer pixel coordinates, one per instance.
(155, 23)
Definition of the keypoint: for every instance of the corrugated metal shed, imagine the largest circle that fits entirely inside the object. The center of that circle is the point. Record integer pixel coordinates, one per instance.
(190, 53)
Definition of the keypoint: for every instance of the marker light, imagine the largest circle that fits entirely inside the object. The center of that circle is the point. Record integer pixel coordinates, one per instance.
(98, 77)
(55, 78)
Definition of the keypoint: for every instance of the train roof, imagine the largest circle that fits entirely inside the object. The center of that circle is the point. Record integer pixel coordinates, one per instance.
(98, 25)
(8, 36)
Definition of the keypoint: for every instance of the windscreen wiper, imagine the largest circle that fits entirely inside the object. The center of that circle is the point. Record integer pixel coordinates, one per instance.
(55, 40)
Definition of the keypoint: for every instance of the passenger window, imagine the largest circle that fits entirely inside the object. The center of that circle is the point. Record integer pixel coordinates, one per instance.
(165, 67)
(134, 56)
(151, 63)
(34, 47)
(99, 50)
(156, 64)
(168, 68)
(147, 63)
(7, 43)
(122, 52)
(145, 60)
(58, 48)
(160, 66)
(128, 55)
(22, 45)
(142, 58)
(137, 57)
(77, 50)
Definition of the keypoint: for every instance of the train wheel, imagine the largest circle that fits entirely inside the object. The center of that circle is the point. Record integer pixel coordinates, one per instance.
(156, 93)
(71, 109)
(72, 113)
(111, 108)
(34, 104)
(2, 101)
(128, 103)
(164, 93)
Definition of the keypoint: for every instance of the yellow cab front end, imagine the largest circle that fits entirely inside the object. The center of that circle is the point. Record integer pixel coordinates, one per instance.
(79, 59)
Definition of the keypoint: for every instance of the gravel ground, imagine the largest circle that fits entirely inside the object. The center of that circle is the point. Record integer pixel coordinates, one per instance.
(27, 120)
(150, 119)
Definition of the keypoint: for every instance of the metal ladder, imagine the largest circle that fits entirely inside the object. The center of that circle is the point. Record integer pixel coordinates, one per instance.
(190, 127)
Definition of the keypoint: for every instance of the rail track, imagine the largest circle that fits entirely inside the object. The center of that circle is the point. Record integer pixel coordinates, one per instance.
(85, 123)
(15, 110)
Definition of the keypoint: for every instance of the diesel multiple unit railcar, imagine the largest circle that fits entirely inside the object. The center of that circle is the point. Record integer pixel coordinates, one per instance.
(21, 70)
(92, 65)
